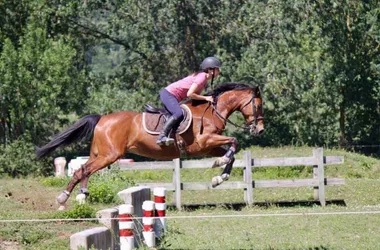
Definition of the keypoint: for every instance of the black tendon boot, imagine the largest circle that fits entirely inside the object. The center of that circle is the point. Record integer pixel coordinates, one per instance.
(163, 138)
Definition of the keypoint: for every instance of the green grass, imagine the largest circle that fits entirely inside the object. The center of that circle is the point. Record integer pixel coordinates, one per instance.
(282, 232)
(33, 198)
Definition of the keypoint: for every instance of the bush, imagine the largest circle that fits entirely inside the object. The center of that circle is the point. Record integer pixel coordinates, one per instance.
(79, 211)
(103, 188)
(54, 181)
(18, 159)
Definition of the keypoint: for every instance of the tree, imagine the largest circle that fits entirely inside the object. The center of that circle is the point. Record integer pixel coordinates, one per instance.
(39, 84)
(316, 60)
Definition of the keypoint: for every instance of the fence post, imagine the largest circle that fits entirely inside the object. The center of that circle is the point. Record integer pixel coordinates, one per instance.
(248, 191)
(177, 182)
(319, 175)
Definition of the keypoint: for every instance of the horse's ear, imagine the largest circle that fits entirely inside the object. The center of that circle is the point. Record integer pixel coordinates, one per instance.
(257, 91)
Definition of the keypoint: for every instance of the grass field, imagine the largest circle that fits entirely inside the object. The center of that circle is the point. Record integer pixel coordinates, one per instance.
(355, 225)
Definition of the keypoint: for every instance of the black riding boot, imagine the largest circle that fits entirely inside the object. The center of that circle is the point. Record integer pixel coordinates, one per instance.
(164, 138)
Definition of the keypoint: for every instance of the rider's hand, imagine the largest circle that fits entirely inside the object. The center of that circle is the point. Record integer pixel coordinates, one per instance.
(209, 99)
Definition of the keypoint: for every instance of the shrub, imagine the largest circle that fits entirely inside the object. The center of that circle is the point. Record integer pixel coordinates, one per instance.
(18, 159)
(79, 211)
(103, 188)
(54, 181)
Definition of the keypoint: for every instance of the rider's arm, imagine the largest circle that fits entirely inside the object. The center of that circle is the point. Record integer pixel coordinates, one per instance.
(192, 93)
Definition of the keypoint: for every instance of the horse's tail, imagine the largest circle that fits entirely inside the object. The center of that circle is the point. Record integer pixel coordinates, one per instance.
(82, 128)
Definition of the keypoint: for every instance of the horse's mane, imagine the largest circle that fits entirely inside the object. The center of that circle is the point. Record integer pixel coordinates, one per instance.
(224, 87)
(220, 89)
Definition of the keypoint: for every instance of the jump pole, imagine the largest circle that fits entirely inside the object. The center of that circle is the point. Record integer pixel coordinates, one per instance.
(160, 211)
(126, 227)
(148, 222)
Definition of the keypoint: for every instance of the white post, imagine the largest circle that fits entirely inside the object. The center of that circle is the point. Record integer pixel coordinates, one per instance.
(177, 182)
(60, 164)
(126, 227)
(160, 203)
(319, 174)
(148, 221)
(248, 191)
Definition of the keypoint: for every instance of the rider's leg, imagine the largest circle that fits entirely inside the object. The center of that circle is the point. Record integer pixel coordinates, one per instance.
(164, 137)
(172, 105)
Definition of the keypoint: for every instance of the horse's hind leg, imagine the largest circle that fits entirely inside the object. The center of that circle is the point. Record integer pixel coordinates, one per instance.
(77, 177)
(82, 175)
(217, 180)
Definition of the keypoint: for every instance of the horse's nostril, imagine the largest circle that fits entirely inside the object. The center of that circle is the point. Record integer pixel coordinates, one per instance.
(261, 131)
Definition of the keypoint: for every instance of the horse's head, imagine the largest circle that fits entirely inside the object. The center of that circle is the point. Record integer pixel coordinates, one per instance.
(252, 110)
(246, 99)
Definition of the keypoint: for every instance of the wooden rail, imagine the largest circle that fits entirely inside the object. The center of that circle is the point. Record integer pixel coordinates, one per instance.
(318, 161)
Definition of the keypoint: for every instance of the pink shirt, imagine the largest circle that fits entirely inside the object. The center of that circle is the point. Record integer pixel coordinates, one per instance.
(180, 88)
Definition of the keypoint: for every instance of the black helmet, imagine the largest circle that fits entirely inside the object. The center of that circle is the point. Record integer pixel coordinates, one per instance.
(210, 62)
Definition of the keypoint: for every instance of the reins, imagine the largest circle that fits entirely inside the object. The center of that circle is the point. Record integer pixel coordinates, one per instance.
(226, 120)
(204, 112)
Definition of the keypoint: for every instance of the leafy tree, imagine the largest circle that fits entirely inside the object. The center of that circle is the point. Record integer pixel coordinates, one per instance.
(317, 62)
(37, 83)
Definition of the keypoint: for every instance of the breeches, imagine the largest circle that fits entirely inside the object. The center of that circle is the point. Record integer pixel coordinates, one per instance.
(171, 104)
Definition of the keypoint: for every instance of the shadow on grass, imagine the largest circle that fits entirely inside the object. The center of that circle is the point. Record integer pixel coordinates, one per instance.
(239, 206)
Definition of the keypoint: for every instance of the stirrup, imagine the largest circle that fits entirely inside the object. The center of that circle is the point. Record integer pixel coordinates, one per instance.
(165, 141)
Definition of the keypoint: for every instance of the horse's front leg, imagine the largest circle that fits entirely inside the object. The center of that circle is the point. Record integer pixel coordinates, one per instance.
(219, 179)
(216, 140)
(226, 156)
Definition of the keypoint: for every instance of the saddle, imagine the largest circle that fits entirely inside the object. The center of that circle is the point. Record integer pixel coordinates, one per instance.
(153, 119)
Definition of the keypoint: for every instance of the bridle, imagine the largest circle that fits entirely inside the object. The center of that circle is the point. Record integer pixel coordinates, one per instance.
(251, 126)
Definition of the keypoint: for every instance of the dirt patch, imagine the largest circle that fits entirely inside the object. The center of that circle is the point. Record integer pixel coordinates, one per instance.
(30, 194)
(64, 235)
(9, 245)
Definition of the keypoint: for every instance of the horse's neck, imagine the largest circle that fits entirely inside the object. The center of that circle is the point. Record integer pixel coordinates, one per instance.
(227, 104)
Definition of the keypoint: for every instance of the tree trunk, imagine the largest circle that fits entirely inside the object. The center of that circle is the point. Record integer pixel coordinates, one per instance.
(342, 121)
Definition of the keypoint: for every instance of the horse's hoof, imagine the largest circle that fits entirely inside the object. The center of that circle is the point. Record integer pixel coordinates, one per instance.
(61, 208)
(216, 181)
(225, 177)
(62, 198)
(81, 199)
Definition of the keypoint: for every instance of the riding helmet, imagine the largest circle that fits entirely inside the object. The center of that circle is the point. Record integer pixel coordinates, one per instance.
(210, 62)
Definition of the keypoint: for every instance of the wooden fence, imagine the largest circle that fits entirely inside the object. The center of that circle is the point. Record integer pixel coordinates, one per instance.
(318, 161)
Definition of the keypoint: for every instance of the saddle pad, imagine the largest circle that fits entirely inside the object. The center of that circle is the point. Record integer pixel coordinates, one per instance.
(153, 123)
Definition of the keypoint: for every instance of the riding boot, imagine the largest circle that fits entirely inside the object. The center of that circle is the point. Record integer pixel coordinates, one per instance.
(164, 138)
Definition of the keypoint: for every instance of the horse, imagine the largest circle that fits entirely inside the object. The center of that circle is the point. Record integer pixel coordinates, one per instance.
(116, 133)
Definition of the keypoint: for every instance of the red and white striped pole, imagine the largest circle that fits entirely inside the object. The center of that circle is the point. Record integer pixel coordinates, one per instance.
(126, 226)
(148, 221)
(160, 202)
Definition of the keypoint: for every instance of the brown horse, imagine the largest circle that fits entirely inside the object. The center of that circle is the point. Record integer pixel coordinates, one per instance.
(117, 133)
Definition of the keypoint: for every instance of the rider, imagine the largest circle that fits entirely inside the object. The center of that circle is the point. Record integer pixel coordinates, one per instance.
(190, 86)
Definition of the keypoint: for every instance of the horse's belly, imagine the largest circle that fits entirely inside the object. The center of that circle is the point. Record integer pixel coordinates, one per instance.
(157, 153)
